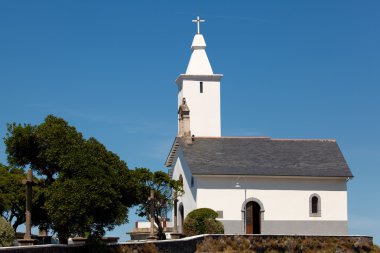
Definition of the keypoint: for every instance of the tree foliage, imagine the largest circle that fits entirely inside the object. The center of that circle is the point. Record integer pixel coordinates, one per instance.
(7, 234)
(90, 197)
(202, 221)
(86, 188)
(163, 187)
(47, 148)
(12, 196)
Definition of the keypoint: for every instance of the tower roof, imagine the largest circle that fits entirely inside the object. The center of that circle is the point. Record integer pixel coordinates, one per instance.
(198, 42)
(199, 63)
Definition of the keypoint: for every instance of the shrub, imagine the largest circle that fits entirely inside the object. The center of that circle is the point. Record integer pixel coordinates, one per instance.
(202, 221)
(7, 234)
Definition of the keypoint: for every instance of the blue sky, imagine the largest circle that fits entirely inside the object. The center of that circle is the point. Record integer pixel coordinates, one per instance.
(292, 69)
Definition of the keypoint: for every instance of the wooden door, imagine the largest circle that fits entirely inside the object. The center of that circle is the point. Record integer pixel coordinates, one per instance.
(253, 218)
(248, 218)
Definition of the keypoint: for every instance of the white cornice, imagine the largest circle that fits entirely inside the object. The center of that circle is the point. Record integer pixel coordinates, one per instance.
(212, 78)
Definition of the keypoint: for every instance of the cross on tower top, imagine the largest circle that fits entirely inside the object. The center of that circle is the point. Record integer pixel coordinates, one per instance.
(198, 21)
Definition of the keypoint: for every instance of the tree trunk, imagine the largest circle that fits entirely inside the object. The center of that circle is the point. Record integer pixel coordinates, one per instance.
(63, 240)
(160, 232)
(63, 235)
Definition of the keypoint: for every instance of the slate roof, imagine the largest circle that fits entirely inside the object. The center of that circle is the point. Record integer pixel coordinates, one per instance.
(262, 157)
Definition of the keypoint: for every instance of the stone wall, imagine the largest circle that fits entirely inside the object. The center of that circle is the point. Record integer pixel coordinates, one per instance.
(50, 248)
(184, 245)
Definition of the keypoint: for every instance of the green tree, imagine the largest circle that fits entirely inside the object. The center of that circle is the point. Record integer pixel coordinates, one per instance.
(85, 186)
(163, 187)
(7, 234)
(12, 197)
(90, 198)
(202, 221)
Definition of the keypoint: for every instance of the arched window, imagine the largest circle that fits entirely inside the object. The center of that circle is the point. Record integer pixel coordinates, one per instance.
(315, 205)
(181, 217)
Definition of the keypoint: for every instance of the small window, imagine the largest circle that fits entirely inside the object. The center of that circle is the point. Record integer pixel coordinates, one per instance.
(315, 205)
(201, 87)
(192, 181)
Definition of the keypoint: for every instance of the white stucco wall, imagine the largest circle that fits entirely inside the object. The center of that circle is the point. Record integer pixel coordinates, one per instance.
(204, 107)
(283, 198)
(188, 199)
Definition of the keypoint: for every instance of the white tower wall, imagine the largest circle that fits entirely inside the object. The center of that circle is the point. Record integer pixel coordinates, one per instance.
(201, 88)
(204, 107)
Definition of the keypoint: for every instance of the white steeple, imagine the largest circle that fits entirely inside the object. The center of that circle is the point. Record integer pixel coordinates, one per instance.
(201, 89)
(199, 63)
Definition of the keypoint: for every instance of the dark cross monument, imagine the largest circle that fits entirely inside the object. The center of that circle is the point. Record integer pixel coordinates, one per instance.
(175, 200)
(151, 199)
(28, 215)
(175, 234)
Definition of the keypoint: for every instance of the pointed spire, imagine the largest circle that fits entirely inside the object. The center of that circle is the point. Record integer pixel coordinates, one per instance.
(198, 42)
(199, 63)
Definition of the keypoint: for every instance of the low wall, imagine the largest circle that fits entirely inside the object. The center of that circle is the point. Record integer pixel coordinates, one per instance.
(184, 245)
(49, 248)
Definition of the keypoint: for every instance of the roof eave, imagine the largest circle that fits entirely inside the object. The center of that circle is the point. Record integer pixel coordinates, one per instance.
(172, 153)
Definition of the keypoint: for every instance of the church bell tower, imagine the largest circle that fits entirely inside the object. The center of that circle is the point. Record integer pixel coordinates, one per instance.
(200, 88)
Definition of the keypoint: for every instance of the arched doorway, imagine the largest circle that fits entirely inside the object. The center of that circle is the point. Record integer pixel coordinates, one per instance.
(253, 218)
(181, 217)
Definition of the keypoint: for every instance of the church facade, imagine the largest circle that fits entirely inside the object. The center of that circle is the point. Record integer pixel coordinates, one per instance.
(258, 185)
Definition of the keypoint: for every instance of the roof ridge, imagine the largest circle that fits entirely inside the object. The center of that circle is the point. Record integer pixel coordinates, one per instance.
(266, 138)
(287, 139)
(232, 137)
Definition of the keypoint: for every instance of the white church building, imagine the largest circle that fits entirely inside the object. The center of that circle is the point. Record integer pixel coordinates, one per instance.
(258, 185)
